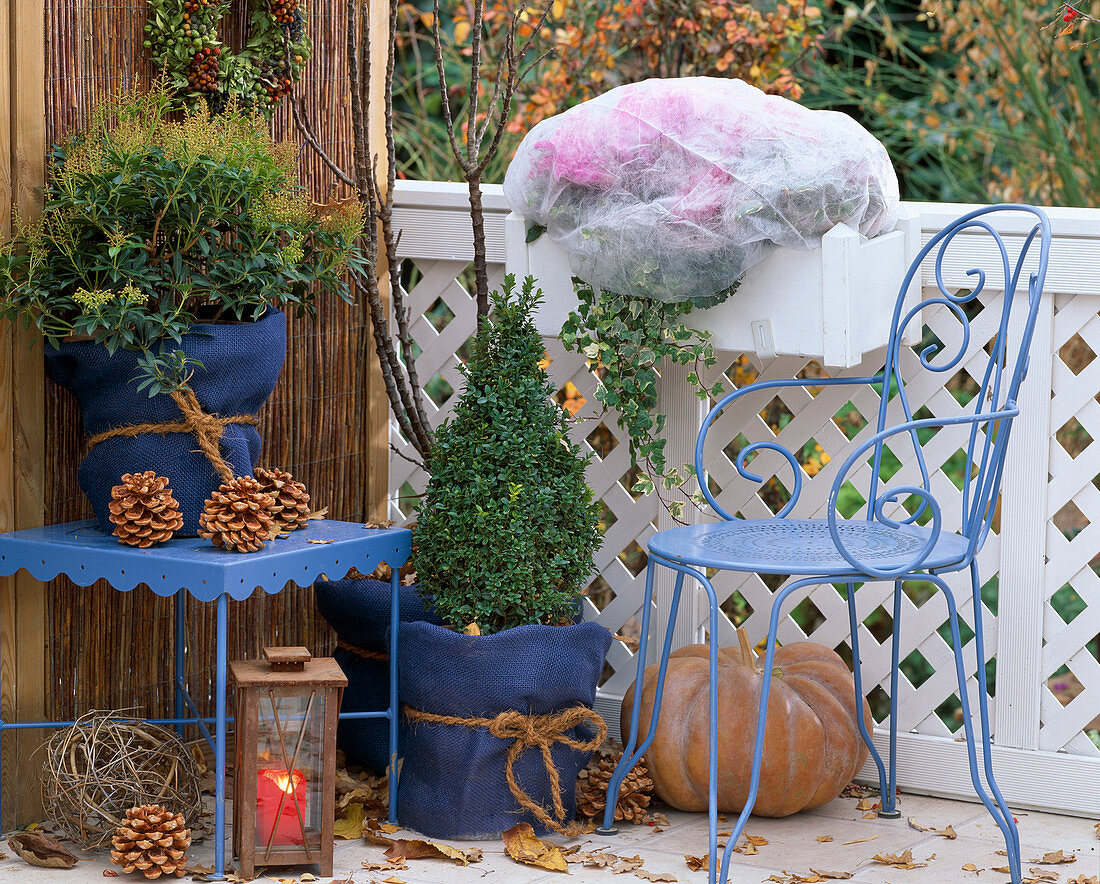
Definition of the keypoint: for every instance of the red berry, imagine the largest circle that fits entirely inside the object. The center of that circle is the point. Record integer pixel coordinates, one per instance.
(1070, 15)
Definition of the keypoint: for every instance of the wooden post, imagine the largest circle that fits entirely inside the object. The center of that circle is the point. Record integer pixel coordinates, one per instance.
(23, 611)
(376, 403)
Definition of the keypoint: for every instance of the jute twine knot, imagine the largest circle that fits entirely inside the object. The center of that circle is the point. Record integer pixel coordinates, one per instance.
(206, 428)
(362, 652)
(533, 732)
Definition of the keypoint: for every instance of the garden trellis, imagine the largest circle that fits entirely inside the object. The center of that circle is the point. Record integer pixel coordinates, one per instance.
(1043, 592)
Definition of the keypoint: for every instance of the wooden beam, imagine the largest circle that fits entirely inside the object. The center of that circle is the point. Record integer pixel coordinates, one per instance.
(23, 609)
(377, 437)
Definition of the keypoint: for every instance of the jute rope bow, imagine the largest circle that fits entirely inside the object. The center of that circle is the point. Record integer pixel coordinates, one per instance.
(533, 732)
(361, 652)
(206, 428)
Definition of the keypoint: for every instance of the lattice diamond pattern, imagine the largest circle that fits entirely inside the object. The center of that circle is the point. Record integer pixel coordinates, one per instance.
(1072, 544)
(1070, 560)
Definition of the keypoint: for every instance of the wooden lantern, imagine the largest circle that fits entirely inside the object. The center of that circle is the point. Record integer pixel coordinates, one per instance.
(285, 774)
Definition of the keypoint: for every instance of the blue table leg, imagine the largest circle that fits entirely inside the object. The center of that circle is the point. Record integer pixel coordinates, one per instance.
(395, 612)
(219, 748)
(181, 654)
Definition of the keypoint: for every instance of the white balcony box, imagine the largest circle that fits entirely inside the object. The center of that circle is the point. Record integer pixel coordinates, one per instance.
(833, 304)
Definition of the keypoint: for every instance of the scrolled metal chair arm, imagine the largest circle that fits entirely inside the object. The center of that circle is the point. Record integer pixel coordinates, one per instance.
(892, 495)
(731, 397)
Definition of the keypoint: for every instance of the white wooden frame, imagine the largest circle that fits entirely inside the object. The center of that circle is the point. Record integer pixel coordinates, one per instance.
(1043, 758)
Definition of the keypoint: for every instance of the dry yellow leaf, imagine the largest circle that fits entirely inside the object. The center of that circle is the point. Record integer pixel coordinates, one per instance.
(471, 628)
(865, 804)
(522, 845)
(859, 840)
(902, 860)
(461, 32)
(1084, 879)
(349, 822)
(1054, 857)
(393, 879)
(404, 849)
(654, 876)
(1039, 876)
(824, 838)
(970, 867)
(946, 832)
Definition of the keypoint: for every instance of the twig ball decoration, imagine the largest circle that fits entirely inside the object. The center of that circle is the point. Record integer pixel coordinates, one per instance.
(144, 510)
(106, 763)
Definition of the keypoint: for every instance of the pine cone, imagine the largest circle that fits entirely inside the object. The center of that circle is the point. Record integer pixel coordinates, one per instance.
(152, 840)
(238, 516)
(143, 510)
(634, 795)
(291, 508)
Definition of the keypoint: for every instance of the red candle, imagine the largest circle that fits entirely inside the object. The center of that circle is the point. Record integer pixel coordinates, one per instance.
(276, 787)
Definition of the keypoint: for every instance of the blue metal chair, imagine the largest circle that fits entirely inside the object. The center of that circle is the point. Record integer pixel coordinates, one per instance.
(877, 547)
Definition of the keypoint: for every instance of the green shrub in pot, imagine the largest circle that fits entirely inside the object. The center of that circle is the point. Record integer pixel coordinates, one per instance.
(505, 538)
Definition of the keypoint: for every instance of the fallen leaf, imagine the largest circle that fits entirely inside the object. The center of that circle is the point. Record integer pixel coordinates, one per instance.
(946, 832)
(320, 541)
(870, 815)
(696, 863)
(859, 840)
(1096, 829)
(385, 866)
(1004, 870)
(814, 877)
(1083, 879)
(307, 877)
(824, 838)
(1038, 876)
(749, 847)
(626, 864)
(902, 860)
(654, 876)
(404, 849)
(521, 843)
(349, 822)
(1055, 857)
(110, 873)
(865, 804)
(474, 629)
(970, 867)
(393, 879)
(41, 850)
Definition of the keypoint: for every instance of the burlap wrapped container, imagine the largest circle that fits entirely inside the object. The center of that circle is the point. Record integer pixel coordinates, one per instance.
(240, 364)
(358, 610)
(475, 712)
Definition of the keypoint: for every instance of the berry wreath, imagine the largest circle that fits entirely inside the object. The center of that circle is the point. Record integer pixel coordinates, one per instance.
(182, 37)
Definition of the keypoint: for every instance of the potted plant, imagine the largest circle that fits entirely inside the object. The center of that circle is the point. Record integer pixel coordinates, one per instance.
(506, 533)
(167, 249)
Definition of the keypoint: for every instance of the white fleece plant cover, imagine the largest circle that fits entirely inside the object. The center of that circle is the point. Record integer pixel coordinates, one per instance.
(672, 189)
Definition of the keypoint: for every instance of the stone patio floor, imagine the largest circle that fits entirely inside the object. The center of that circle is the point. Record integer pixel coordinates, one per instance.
(795, 845)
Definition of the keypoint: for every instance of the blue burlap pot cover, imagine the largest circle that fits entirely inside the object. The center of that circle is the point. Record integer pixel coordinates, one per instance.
(241, 363)
(453, 782)
(358, 610)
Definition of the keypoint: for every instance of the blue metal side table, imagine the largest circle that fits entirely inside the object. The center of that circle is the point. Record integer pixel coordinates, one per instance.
(84, 554)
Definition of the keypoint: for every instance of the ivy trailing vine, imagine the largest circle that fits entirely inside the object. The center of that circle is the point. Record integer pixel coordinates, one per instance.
(182, 37)
(624, 339)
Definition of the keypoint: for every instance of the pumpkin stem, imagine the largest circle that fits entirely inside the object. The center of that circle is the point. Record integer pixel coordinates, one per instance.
(748, 656)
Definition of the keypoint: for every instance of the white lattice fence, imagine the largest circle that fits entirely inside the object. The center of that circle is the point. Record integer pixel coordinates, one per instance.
(1041, 559)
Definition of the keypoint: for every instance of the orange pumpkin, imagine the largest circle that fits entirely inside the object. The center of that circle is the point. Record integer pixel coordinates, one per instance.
(812, 746)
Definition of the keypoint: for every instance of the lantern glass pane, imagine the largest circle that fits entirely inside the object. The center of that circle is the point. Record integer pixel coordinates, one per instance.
(289, 751)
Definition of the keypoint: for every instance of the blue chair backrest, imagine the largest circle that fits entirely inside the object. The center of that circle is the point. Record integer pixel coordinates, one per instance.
(991, 411)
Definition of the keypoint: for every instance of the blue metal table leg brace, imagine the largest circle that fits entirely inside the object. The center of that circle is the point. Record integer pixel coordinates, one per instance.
(179, 567)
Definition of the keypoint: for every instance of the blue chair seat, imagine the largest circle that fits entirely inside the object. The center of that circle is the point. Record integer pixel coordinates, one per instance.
(803, 546)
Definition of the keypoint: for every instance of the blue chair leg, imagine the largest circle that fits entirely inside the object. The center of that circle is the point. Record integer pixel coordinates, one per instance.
(631, 755)
(889, 799)
(1003, 820)
(857, 676)
(983, 708)
(761, 722)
